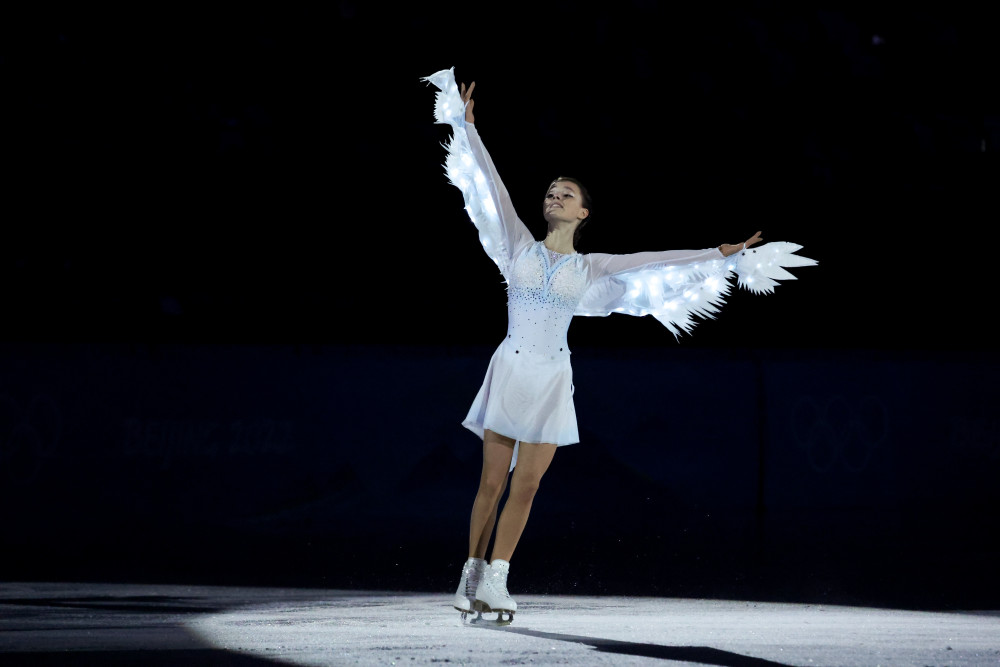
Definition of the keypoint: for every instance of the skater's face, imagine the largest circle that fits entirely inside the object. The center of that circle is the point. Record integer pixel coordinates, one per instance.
(564, 203)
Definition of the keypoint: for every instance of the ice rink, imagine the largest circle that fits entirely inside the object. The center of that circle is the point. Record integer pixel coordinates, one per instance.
(117, 624)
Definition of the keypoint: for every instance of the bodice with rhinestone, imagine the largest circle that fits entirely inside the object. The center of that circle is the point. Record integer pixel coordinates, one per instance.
(541, 299)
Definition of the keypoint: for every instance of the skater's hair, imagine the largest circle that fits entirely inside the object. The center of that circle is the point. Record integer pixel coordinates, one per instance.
(584, 200)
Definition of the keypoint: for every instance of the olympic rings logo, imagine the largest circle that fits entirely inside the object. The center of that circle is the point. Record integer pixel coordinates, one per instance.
(28, 436)
(840, 431)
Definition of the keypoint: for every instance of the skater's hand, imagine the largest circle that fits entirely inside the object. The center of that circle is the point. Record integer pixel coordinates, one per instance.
(469, 102)
(728, 249)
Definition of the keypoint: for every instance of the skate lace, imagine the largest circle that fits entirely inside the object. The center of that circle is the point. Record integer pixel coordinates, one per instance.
(472, 578)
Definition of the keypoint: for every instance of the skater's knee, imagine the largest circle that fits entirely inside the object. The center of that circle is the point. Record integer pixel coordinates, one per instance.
(492, 484)
(524, 489)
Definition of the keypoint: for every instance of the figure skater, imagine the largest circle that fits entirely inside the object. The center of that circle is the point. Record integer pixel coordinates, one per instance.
(524, 410)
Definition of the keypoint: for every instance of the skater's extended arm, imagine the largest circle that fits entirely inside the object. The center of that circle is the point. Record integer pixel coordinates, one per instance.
(602, 264)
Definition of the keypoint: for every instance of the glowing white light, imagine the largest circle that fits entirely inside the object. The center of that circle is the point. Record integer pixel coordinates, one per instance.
(491, 209)
(758, 265)
(750, 280)
(467, 159)
(454, 173)
(480, 178)
(654, 286)
(636, 288)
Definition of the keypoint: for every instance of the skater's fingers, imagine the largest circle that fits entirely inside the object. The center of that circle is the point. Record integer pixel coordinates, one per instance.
(466, 94)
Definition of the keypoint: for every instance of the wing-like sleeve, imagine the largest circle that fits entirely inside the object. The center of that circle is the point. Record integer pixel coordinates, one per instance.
(469, 168)
(676, 286)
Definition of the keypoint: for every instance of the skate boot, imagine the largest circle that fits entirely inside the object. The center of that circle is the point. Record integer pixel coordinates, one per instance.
(492, 593)
(465, 596)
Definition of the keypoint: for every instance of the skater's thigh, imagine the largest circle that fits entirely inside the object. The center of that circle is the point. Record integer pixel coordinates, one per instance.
(533, 459)
(497, 453)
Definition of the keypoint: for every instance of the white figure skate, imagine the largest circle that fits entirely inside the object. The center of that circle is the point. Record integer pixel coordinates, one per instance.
(492, 595)
(465, 596)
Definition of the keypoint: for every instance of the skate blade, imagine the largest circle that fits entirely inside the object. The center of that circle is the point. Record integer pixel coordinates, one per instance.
(499, 621)
(483, 608)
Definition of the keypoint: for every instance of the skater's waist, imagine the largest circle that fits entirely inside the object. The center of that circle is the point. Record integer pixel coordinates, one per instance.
(532, 346)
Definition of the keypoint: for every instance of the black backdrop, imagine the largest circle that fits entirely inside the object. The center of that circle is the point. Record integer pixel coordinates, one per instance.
(229, 240)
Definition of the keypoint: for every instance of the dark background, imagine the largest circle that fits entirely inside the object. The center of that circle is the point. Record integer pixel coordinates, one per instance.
(244, 312)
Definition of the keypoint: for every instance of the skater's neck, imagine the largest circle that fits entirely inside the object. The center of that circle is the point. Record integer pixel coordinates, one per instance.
(560, 238)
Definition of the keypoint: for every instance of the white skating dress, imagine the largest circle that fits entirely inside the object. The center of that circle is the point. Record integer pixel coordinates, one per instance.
(528, 391)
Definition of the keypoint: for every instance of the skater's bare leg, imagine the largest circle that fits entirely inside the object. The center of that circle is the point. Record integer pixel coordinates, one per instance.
(491, 523)
(533, 460)
(497, 453)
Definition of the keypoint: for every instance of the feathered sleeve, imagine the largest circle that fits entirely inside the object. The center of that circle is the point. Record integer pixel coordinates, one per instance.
(469, 168)
(676, 286)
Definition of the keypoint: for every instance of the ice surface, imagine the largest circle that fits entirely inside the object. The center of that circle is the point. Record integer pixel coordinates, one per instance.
(160, 624)
(394, 628)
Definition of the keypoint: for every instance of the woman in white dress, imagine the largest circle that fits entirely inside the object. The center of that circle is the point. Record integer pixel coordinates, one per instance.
(524, 410)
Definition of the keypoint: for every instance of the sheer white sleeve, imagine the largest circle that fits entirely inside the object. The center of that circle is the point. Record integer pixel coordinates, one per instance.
(469, 168)
(676, 286)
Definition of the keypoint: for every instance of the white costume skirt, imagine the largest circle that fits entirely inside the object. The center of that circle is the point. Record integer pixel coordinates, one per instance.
(526, 396)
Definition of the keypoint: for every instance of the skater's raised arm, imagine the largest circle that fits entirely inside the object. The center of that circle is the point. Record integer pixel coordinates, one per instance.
(515, 231)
